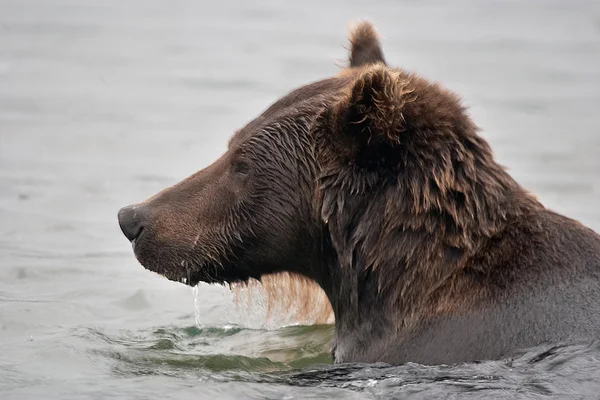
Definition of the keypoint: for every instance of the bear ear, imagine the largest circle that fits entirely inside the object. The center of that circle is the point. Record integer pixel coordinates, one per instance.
(368, 121)
(365, 48)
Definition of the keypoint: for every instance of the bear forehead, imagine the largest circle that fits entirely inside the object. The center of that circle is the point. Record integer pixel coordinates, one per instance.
(302, 100)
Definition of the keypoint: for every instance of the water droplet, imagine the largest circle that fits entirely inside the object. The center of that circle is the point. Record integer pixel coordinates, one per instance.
(197, 306)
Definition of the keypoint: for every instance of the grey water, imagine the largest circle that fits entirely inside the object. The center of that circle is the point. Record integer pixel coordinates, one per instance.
(105, 103)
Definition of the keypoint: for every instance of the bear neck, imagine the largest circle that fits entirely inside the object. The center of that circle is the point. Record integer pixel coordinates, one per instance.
(388, 266)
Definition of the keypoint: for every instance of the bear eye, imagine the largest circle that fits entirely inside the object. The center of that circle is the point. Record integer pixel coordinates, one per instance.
(240, 167)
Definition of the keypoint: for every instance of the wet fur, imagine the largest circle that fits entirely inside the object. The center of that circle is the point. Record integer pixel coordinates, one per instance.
(376, 186)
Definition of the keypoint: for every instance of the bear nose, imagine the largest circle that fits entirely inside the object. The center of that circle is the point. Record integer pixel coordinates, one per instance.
(131, 221)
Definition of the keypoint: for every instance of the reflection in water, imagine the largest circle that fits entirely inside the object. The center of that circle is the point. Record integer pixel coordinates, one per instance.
(172, 350)
(559, 370)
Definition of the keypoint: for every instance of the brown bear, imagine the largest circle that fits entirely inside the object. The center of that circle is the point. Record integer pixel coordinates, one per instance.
(376, 185)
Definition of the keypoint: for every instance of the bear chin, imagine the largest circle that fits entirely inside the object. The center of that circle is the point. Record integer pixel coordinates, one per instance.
(191, 275)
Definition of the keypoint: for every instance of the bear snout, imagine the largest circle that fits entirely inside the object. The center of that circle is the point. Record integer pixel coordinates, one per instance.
(131, 221)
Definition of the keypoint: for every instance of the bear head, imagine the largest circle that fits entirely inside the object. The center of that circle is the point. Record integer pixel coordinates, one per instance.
(373, 181)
